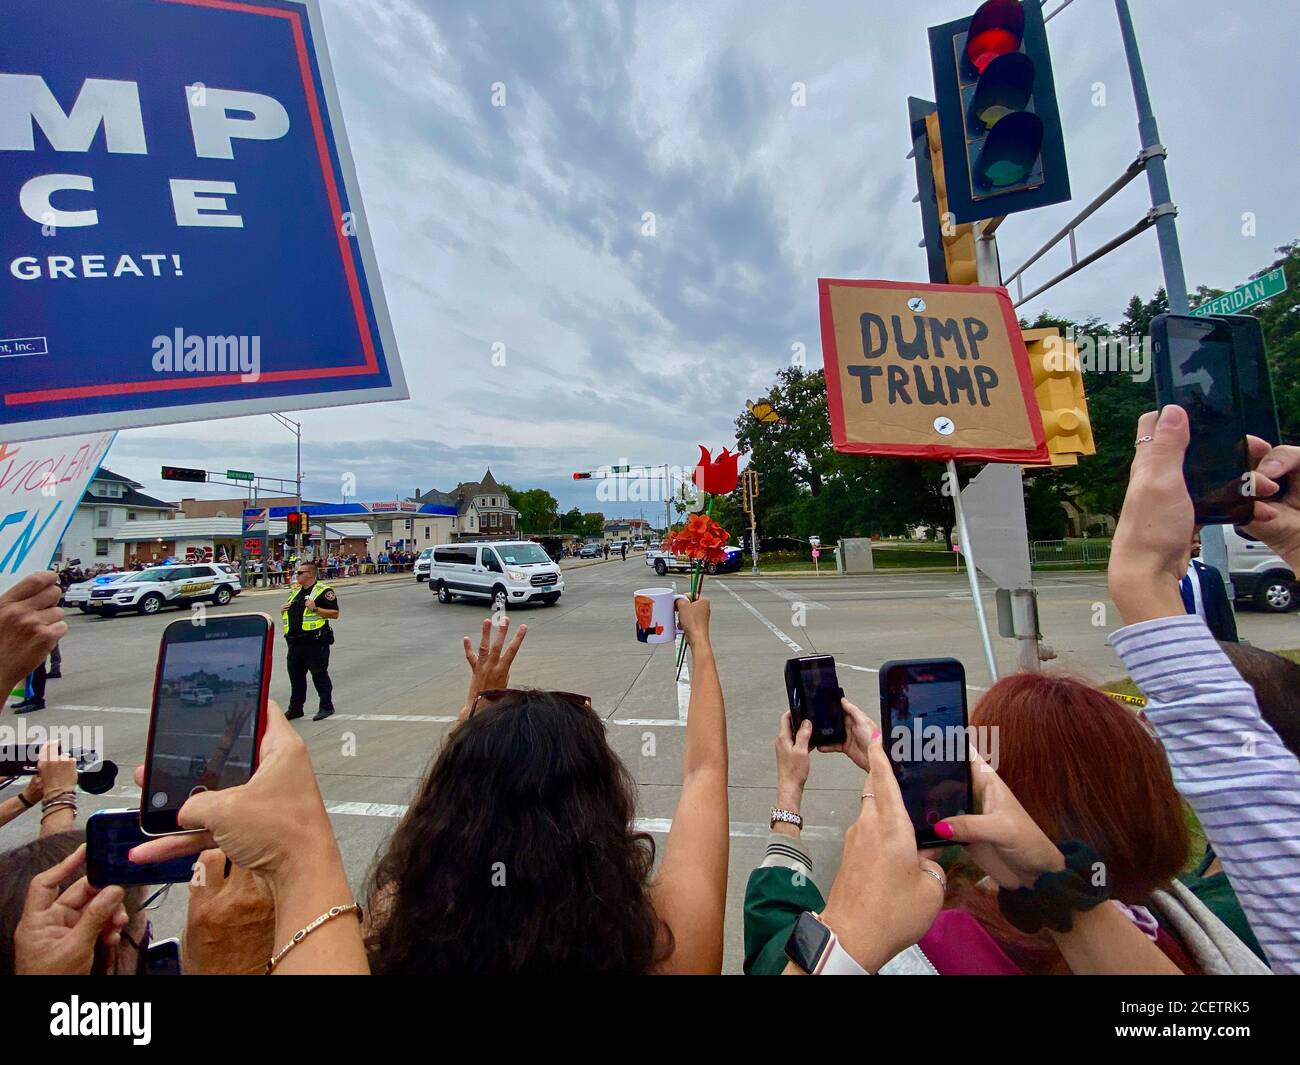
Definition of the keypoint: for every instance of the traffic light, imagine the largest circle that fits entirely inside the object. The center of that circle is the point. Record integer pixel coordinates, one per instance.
(918, 112)
(180, 473)
(1002, 143)
(582, 476)
(295, 522)
(1058, 387)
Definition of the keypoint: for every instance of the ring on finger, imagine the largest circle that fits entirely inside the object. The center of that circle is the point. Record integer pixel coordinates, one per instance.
(867, 795)
(1143, 440)
(939, 878)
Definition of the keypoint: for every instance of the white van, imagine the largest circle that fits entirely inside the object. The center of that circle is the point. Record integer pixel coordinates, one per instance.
(504, 572)
(1258, 575)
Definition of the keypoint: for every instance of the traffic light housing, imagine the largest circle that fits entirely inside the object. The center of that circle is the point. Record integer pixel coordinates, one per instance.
(1002, 142)
(295, 522)
(748, 490)
(582, 476)
(1058, 387)
(181, 473)
(957, 239)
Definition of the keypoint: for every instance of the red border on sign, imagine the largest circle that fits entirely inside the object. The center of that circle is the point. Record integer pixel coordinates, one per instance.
(369, 367)
(941, 452)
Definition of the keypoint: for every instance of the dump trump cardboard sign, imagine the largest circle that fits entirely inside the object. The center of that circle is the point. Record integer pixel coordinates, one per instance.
(181, 231)
(928, 371)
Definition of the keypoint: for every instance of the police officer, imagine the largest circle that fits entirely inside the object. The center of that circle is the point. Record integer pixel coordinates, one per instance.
(306, 616)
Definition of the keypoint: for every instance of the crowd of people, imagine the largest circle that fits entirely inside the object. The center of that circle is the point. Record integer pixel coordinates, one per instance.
(518, 852)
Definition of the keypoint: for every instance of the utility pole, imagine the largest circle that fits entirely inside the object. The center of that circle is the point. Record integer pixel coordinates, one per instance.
(295, 428)
(1214, 549)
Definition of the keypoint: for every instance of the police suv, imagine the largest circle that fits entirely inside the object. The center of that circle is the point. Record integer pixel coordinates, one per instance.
(148, 591)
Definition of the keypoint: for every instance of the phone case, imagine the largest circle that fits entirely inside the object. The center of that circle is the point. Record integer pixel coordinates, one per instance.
(259, 730)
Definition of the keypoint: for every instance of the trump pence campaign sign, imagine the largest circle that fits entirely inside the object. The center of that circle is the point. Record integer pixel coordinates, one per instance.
(181, 232)
(928, 371)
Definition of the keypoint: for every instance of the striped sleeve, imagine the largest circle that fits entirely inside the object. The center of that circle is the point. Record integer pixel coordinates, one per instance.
(1230, 766)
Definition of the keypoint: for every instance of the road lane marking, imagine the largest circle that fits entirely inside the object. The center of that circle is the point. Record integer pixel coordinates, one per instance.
(791, 597)
(425, 719)
(658, 826)
(429, 718)
(770, 627)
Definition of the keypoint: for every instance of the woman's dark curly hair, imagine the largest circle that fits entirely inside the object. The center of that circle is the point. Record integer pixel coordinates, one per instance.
(517, 855)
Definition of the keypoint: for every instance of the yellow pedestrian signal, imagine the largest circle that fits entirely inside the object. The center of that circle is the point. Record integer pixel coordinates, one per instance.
(1058, 387)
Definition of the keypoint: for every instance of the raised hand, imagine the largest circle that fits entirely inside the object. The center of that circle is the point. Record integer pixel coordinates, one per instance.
(489, 666)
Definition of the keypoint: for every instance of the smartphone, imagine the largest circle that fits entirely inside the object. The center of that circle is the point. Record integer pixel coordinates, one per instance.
(163, 958)
(1195, 368)
(1255, 383)
(110, 835)
(814, 692)
(923, 717)
(208, 712)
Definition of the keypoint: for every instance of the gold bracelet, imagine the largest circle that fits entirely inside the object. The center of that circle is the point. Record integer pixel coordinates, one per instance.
(306, 930)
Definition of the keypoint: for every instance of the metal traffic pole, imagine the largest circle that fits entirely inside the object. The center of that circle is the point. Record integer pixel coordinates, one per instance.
(1214, 549)
(970, 570)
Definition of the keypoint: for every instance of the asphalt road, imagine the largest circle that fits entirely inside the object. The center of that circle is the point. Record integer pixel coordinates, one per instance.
(400, 678)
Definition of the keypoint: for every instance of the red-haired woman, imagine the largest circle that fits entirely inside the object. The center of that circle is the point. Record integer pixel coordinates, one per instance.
(1086, 768)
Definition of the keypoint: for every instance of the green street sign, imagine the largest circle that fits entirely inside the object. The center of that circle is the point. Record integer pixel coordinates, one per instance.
(1247, 295)
(619, 469)
(239, 475)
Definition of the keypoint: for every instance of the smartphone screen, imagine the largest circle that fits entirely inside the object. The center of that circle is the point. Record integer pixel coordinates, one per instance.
(208, 713)
(1194, 368)
(923, 711)
(814, 691)
(110, 835)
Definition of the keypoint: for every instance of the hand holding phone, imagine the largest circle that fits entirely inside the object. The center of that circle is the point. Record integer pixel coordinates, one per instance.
(110, 836)
(208, 713)
(1196, 369)
(813, 690)
(1002, 839)
(923, 714)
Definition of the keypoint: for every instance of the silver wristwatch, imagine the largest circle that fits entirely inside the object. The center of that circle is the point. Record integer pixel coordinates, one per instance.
(788, 816)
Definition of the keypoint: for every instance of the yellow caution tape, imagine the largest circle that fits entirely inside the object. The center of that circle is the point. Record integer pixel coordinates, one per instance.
(1132, 700)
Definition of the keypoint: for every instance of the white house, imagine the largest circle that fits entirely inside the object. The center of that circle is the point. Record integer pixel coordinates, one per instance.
(111, 503)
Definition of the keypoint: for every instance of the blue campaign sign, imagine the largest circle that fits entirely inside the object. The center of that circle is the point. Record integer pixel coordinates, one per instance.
(181, 232)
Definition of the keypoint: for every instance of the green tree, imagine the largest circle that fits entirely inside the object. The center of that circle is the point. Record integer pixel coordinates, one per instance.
(538, 509)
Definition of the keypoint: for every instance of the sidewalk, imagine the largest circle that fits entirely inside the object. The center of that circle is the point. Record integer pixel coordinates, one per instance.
(341, 582)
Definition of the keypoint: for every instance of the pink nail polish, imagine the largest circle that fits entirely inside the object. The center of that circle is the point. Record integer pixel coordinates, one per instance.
(943, 830)
(875, 734)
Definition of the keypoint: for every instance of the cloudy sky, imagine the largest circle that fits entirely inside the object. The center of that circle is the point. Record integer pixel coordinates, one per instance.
(522, 225)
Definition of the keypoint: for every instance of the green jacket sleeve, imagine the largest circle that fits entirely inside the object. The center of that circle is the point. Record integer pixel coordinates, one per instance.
(774, 898)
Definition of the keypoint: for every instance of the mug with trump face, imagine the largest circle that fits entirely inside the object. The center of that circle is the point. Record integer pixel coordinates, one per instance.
(656, 614)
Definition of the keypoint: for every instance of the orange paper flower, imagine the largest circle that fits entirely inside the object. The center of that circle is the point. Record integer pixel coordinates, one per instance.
(702, 539)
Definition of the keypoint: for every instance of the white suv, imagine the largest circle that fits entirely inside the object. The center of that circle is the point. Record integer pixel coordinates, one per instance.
(152, 589)
(505, 572)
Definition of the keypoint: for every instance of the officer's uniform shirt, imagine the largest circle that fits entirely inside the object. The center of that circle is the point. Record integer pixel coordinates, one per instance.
(328, 599)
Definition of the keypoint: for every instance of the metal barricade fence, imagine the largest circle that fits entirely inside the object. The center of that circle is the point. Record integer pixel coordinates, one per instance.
(1068, 552)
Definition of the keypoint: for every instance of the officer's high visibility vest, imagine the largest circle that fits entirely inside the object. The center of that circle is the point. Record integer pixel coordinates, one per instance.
(311, 621)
